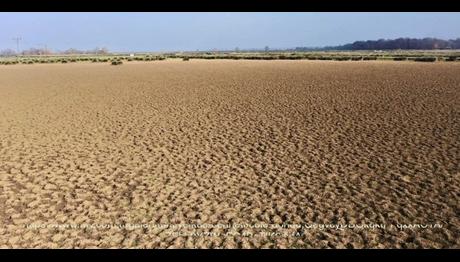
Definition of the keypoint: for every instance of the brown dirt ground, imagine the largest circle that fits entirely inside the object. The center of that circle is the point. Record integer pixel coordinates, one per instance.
(232, 142)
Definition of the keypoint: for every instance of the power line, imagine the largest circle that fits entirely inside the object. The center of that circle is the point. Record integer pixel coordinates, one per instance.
(17, 39)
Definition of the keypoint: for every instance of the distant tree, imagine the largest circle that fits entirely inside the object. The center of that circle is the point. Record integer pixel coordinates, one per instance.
(31, 51)
(7, 52)
(267, 48)
(99, 51)
(104, 50)
(36, 51)
(73, 51)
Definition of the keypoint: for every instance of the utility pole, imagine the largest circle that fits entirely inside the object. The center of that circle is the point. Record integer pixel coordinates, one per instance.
(17, 39)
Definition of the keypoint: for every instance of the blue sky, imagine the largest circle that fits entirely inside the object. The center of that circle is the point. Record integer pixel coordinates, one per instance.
(206, 31)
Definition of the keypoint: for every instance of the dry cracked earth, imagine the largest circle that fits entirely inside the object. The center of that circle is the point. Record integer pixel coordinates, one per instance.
(266, 154)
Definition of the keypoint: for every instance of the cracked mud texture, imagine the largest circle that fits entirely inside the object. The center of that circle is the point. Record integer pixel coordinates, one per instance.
(230, 142)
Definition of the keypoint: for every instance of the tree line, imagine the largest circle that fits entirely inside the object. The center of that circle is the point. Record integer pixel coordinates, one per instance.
(44, 51)
(394, 44)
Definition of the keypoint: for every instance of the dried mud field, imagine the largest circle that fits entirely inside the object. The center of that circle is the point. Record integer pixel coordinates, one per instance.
(230, 154)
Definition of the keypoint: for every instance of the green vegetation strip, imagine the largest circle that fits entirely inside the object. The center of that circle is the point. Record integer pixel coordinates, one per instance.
(326, 56)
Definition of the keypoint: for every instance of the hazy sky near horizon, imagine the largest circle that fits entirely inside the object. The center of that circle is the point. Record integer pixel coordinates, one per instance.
(206, 31)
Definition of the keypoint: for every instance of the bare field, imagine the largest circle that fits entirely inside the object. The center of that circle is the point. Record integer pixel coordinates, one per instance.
(251, 143)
